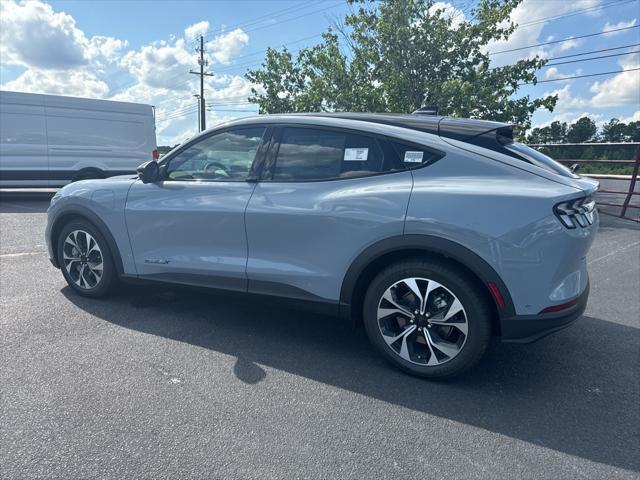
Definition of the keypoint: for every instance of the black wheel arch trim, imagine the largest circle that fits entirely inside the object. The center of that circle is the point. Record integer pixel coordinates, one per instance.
(428, 244)
(84, 212)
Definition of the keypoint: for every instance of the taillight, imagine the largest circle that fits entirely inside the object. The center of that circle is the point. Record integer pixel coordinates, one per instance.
(576, 213)
(155, 155)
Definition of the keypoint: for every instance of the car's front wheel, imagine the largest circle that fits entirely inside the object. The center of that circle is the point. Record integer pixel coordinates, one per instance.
(427, 317)
(85, 259)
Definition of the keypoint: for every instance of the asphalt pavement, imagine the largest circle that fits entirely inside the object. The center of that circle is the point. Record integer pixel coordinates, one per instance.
(172, 383)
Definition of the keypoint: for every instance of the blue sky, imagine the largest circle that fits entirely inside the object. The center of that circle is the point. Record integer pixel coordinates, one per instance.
(142, 50)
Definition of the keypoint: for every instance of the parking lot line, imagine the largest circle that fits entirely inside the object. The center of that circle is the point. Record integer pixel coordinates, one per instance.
(615, 252)
(21, 254)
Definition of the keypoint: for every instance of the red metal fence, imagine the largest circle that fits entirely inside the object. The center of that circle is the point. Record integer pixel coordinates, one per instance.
(624, 204)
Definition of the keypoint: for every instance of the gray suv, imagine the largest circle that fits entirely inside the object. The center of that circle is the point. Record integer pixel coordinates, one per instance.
(434, 232)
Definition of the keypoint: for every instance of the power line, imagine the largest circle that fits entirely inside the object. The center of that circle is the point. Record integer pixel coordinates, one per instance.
(594, 51)
(574, 13)
(581, 76)
(294, 18)
(276, 14)
(592, 58)
(565, 40)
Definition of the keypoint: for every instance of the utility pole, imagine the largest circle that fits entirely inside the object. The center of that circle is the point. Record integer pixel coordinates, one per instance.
(199, 119)
(203, 62)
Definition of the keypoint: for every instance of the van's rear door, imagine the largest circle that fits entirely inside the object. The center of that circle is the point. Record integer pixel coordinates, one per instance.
(23, 141)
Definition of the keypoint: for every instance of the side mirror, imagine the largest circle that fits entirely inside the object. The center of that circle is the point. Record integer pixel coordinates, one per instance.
(149, 172)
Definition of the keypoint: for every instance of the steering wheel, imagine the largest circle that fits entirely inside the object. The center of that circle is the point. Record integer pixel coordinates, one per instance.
(218, 166)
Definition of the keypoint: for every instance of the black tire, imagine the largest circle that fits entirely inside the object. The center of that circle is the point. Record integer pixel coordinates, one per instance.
(478, 315)
(108, 279)
(88, 174)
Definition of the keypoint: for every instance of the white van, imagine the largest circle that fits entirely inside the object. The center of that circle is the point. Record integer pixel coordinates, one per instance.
(49, 140)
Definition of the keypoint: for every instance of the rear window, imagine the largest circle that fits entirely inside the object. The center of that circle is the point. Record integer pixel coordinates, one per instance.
(540, 159)
(315, 154)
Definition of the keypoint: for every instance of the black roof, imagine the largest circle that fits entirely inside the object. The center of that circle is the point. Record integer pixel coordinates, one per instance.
(457, 128)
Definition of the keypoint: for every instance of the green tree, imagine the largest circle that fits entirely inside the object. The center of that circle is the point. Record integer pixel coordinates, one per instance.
(633, 131)
(614, 131)
(398, 55)
(582, 131)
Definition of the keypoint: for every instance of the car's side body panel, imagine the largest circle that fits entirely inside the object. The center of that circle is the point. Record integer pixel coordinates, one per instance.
(98, 201)
(305, 235)
(190, 232)
(505, 216)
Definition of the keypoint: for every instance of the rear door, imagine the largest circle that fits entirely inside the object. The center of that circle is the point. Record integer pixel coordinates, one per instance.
(325, 195)
(190, 227)
(23, 141)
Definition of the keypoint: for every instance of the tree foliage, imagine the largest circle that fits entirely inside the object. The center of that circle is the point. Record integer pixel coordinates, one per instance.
(399, 55)
(584, 130)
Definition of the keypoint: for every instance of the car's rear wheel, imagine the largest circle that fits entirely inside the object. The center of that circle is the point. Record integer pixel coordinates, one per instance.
(428, 318)
(85, 259)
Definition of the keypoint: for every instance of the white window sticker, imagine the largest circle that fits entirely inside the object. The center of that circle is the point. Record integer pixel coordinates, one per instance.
(413, 157)
(356, 154)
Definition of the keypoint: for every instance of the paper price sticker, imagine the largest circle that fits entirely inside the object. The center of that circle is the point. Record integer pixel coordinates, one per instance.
(356, 154)
(413, 157)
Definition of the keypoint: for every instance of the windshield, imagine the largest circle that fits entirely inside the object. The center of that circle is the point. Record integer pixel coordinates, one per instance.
(539, 159)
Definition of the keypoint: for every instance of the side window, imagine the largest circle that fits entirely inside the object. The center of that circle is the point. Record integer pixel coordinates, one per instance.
(412, 156)
(316, 154)
(225, 156)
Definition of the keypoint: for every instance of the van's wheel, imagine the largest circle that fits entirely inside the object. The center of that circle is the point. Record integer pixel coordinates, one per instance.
(88, 174)
(86, 260)
(427, 318)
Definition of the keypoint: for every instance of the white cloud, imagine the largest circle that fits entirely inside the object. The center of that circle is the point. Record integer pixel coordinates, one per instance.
(223, 47)
(108, 47)
(76, 83)
(633, 118)
(568, 45)
(449, 12)
(551, 73)
(161, 65)
(33, 35)
(195, 30)
(621, 89)
(615, 26)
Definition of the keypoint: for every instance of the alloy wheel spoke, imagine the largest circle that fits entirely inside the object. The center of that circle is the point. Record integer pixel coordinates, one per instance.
(391, 340)
(386, 312)
(72, 241)
(462, 326)
(389, 298)
(454, 309)
(413, 286)
(431, 286)
(449, 349)
(433, 360)
(81, 277)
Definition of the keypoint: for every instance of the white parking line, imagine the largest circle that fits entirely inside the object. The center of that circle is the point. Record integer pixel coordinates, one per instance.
(622, 249)
(22, 254)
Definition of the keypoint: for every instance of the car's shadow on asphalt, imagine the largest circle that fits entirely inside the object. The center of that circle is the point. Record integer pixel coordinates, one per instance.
(574, 392)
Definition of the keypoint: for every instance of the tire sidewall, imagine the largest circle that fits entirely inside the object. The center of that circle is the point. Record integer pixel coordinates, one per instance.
(479, 327)
(108, 272)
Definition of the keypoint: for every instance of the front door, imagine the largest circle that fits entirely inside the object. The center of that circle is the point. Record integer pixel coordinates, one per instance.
(189, 228)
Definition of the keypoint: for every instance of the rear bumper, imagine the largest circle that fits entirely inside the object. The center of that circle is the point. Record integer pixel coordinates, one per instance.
(529, 328)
